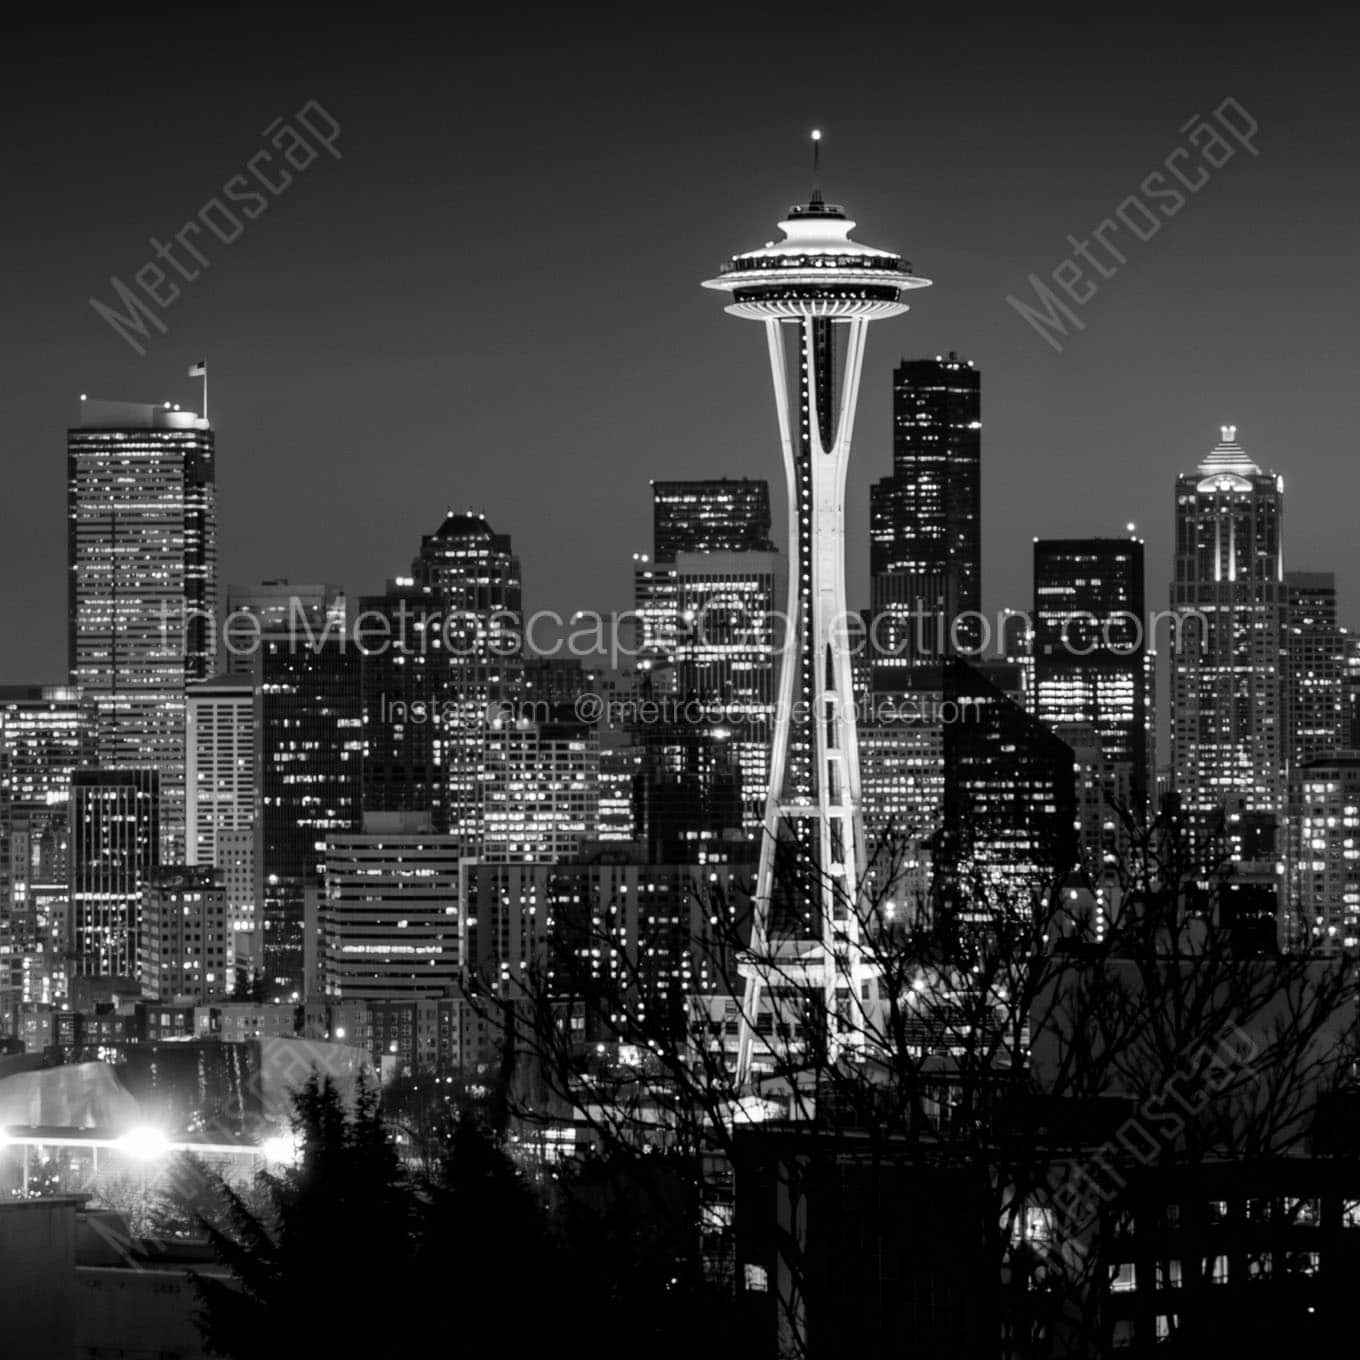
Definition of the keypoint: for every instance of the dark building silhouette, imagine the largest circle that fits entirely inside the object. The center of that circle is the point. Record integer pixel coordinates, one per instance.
(310, 732)
(717, 515)
(1090, 649)
(1009, 796)
(926, 521)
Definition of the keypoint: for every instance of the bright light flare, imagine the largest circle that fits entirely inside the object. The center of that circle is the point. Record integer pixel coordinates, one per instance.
(145, 1144)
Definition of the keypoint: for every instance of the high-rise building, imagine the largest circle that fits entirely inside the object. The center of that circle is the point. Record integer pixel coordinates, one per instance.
(926, 522)
(186, 935)
(41, 744)
(220, 795)
(539, 790)
(822, 289)
(274, 608)
(1227, 597)
(389, 922)
(717, 515)
(1314, 664)
(142, 556)
(1010, 805)
(310, 743)
(410, 703)
(475, 576)
(1324, 914)
(1090, 647)
(115, 845)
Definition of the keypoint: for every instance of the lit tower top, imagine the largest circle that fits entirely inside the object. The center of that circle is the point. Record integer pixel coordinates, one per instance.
(1228, 458)
(806, 939)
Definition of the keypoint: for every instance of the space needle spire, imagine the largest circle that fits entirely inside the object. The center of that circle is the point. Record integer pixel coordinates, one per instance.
(815, 292)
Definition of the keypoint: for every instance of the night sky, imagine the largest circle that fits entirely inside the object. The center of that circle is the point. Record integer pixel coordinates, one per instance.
(492, 300)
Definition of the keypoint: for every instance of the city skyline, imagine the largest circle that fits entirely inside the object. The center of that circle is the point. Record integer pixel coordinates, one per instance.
(435, 412)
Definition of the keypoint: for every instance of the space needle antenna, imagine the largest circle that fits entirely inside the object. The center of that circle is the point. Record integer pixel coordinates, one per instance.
(816, 157)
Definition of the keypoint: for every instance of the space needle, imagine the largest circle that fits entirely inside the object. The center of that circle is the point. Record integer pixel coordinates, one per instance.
(815, 292)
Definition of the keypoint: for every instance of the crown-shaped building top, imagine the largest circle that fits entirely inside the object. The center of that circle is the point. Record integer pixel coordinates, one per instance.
(1228, 458)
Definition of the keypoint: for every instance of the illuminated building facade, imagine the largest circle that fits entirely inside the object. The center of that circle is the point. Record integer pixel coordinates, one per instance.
(902, 782)
(41, 744)
(310, 744)
(1090, 647)
(1314, 660)
(821, 290)
(539, 790)
(1227, 599)
(1010, 796)
(718, 515)
(186, 935)
(389, 922)
(220, 793)
(475, 576)
(142, 555)
(926, 522)
(274, 608)
(1325, 854)
(115, 845)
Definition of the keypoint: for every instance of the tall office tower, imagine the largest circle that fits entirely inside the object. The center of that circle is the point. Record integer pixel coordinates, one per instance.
(726, 659)
(1009, 799)
(475, 576)
(310, 747)
(539, 790)
(902, 781)
(407, 699)
(926, 522)
(186, 935)
(1314, 665)
(274, 609)
(1090, 648)
(220, 791)
(1324, 914)
(115, 845)
(824, 289)
(1015, 645)
(41, 744)
(389, 922)
(1227, 597)
(642, 930)
(718, 515)
(142, 557)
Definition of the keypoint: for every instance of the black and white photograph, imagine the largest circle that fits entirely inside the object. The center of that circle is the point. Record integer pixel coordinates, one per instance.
(679, 683)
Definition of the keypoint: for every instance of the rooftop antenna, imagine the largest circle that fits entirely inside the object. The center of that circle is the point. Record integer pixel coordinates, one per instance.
(816, 165)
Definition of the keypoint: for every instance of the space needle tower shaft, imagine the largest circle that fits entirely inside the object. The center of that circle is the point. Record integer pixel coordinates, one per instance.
(815, 292)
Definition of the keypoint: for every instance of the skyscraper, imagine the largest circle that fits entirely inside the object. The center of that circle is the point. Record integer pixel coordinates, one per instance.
(186, 935)
(474, 575)
(926, 521)
(1314, 657)
(1226, 598)
(41, 745)
(142, 555)
(825, 289)
(115, 844)
(275, 608)
(389, 916)
(220, 786)
(310, 743)
(1090, 647)
(717, 515)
